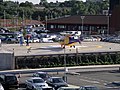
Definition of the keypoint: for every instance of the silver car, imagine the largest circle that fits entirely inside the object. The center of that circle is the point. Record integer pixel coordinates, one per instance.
(37, 83)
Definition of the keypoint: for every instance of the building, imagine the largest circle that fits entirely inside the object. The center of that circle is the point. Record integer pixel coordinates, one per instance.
(113, 4)
(115, 16)
(87, 24)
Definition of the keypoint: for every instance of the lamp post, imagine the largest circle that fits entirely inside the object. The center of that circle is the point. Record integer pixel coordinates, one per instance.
(4, 24)
(23, 17)
(82, 17)
(108, 24)
(46, 21)
(65, 68)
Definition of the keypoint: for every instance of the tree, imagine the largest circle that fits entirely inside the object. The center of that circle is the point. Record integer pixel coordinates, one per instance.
(26, 4)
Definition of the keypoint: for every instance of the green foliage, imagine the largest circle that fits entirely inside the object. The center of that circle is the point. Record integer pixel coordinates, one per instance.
(52, 10)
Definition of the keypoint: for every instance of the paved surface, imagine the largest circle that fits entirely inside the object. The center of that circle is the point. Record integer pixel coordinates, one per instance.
(55, 48)
(103, 80)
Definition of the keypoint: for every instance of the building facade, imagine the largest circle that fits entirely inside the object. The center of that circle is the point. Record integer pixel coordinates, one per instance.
(87, 24)
(113, 4)
(115, 16)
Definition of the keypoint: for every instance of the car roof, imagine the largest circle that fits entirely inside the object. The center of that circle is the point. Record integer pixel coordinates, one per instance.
(70, 87)
(35, 78)
(89, 86)
(55, 77)
(41, 72)
(8, 74)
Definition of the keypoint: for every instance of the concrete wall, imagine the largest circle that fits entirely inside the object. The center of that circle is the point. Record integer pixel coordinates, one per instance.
(6, 60)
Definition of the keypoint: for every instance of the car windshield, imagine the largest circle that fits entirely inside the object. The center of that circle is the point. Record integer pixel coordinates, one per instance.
(91, 88)
(42, 75)
(9, 78)
(38, 81)
(57, 80)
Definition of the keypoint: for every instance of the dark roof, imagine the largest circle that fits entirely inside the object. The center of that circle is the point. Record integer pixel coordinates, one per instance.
(76, 19)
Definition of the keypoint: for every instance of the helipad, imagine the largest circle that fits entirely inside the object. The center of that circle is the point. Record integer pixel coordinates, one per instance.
(55, 48)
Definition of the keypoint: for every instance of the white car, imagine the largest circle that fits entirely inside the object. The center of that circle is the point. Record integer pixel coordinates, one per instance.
(36, 40)
(1, 87)
(70, 87)
(30, 40)
(46, 40)
(37, 83)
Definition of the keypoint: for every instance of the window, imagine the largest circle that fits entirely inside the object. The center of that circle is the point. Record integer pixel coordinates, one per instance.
(61, 26)
(51, 26)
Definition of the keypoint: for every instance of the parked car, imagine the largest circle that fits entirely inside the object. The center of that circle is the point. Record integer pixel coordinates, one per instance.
(88, 39)
(46, 40)
(9, 81)
(30, 40)
(11, 40)
(89, 87)
(43, 75)
(70, 87)
(36, 83)
(56, 82)
(1, 87)
(36, 40)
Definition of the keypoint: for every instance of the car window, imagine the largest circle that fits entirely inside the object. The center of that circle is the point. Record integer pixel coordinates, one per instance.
(71, 89)
(2, 76)
(42, 75)
(29, 81)
(57, 80)
(11, 78)
(91, 88)
(38, 81)
(1, 80)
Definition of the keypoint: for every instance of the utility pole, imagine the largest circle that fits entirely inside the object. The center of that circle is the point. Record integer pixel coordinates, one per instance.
(46, 21)
(82, 17)
(4, 24)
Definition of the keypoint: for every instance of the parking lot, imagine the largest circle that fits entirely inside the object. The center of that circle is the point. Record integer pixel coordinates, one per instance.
(103, 80)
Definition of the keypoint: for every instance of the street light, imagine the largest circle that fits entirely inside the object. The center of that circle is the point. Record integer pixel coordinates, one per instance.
(65, 68)
(108, 23)
(4, 19)
(23, 21)
(46, 21)
(82, 17)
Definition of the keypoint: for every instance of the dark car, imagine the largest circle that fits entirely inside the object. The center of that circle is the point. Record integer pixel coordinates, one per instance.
(56, 82)
(89, 87)
(43, 75)
(9, 81)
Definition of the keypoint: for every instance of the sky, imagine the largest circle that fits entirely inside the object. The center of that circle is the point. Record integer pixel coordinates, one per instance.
(37, 1)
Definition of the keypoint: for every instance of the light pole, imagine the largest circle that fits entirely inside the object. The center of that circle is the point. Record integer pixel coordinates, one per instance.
(23, 17)
(108, 23)
(46, 21)
(82, 17)
(4, 19)
(65, 69)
